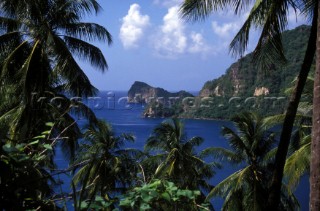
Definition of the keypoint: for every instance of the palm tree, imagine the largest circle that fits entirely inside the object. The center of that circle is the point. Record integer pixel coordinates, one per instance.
(175, 158)
(251, 144)
(52, 31)
(39, 41)
(298, 160)
(105, 167)
(271, 16)
(315, 144)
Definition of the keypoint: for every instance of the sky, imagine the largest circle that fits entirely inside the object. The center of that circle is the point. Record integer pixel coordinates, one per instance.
(151, 43)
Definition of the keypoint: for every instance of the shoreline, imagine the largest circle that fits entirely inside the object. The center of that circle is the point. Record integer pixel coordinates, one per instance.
(189, 118)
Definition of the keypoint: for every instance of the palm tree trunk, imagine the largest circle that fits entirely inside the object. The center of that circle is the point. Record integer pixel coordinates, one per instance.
(315, 143)
(275, 187)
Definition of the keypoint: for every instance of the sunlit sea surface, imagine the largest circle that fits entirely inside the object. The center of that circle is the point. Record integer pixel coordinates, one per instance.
(127, 118)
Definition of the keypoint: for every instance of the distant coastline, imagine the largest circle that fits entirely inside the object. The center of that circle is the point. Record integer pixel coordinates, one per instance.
(242, 87)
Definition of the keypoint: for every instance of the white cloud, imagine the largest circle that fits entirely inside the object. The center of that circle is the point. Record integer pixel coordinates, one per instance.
(198, 44)
(132, 28)
(225, 30)
(168, 3)
(224, 27)
(171, 40)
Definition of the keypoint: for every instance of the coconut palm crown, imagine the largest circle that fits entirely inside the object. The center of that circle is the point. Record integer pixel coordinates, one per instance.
(250, 143)
(41, 43)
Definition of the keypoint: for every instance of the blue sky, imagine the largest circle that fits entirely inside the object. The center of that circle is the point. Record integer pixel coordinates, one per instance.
(152, 44)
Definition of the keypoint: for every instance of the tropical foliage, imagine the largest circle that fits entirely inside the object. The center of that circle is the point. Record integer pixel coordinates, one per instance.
(25, 179)
(234, 91)
(175, 158)
(105, 167)
(251, 142)
(162, 195)
(40, 43)
(298, 160)
(272, 18)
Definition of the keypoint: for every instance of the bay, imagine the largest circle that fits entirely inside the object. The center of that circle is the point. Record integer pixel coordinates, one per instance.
(127, 118)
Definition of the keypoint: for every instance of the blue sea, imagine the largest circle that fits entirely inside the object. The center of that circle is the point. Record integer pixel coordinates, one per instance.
(127, 118)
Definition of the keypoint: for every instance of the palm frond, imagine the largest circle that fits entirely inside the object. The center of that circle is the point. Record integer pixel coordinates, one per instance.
(76, 80)
(298, 163)
(88, 31)
(7, 42)
(10, 8)
(86, 51)
(12, 116)
(8, 24)
(79, 108)
(11, 59)
(232, 182)
(167, 166)
(189, 145)
(235, 141)
(197, 10)
(307, 90)
(222, 154)
(110, 167)
(307, 8)
(153, 143)
(153, 162)
(288, 200)
(83, 6)
(34, 73)
(239, 43)
(269, 47)
(233, 201)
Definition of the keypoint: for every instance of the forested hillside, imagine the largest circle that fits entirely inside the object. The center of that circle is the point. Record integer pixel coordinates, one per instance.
(247, 87)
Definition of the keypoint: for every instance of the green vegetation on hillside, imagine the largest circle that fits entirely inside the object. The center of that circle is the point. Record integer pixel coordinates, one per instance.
(234, 91)
(243, 87)
(38, 42)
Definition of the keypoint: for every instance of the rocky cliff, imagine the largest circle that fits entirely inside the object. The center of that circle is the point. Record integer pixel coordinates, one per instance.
(243, 79)
(245, 87)
(159, 102)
